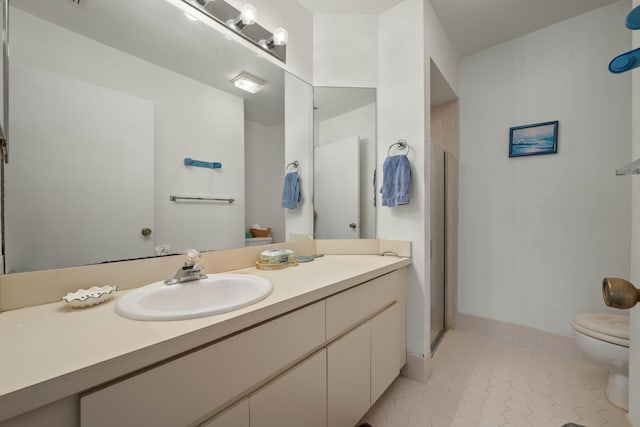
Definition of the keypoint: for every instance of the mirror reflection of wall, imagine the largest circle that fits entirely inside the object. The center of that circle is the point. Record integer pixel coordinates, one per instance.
(104, 115)
(344, 162)
(264, 172)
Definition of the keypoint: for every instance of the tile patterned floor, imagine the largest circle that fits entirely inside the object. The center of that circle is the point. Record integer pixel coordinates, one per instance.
(478, 382)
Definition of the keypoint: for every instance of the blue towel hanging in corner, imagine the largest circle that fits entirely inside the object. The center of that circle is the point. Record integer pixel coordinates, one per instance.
(291, 191)
(396, 181)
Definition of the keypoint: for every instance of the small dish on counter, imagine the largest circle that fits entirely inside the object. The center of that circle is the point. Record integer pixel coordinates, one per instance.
(267, 266)
(91, 296)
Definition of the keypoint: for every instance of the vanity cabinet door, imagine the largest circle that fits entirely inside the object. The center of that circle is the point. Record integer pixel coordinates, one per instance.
(297, 398)
(349, 377)
(348, 308)
(237, 416)
(387, 349)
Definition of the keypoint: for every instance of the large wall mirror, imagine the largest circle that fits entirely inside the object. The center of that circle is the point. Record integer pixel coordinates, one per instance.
(107, 100)
(344, 195)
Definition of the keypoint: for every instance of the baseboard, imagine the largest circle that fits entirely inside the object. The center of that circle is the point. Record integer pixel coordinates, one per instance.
(417, 368)
(557, 345)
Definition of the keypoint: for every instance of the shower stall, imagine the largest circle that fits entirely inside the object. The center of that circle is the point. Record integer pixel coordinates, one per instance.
(438, 244)
(444, 207)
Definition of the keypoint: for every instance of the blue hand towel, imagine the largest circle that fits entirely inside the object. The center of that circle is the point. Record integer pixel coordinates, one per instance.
(291, 191)
(396, 180)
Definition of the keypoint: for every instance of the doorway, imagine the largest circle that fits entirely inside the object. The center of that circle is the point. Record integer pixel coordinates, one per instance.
(444, 206)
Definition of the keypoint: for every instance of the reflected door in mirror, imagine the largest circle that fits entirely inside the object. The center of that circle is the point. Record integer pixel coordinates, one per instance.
(342, 113)
(337, 189)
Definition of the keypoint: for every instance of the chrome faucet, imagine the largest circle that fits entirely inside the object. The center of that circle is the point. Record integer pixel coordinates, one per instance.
(191, 270)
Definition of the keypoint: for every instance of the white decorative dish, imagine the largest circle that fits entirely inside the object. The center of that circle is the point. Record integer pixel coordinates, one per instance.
(88, 297)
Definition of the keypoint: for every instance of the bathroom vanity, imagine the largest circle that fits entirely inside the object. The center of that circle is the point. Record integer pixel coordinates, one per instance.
(318, 351)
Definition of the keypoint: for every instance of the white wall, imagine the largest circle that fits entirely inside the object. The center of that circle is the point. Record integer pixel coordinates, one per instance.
(409, 36)
(538, 234)
(264, 176)
(191, 120)
(634, 368)
(360, 122)
(439, 48)
(401, 114)
(298, 129)
(298, 22)
(345, 50)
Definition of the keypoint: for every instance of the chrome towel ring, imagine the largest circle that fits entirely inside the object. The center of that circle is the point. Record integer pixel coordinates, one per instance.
(402, 145)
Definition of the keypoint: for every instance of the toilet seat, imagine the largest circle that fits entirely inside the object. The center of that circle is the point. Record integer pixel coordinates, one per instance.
(611, 328)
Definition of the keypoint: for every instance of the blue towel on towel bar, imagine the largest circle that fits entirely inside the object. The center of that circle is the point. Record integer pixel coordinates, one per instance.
(291, 191)
(396, 180)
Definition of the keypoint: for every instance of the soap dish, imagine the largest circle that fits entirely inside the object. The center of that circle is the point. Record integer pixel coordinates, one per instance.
(266, 266)
(88, 297)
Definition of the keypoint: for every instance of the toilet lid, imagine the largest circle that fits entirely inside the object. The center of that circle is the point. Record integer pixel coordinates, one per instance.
(609, 327)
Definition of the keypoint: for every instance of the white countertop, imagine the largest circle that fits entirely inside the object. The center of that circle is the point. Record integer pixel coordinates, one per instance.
(52, 351)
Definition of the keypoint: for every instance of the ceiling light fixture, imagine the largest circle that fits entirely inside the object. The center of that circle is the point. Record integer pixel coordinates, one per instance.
(242, 22)
(247, 82)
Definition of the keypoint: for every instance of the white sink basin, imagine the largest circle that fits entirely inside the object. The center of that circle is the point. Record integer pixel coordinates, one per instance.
(218, 293)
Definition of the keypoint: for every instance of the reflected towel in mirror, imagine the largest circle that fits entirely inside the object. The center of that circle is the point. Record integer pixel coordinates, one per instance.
(396, 181)
(291, 191)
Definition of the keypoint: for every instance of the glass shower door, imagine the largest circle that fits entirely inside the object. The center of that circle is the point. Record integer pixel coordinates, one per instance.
(438, 243)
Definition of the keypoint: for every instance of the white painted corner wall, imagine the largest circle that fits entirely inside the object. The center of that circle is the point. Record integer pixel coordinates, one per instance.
(298, 134)
(345, 50)
(401, 114)
(264, 177)
(409, 36)
(538, 234)
(439, 48)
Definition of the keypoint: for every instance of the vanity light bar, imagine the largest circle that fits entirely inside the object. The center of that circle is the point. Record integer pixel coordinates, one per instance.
(243, 22)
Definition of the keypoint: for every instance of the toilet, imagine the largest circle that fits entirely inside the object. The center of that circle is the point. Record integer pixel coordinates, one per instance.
(257, 241)
(605, 338)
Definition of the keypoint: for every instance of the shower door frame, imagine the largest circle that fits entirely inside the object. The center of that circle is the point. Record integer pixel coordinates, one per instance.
(435, 340)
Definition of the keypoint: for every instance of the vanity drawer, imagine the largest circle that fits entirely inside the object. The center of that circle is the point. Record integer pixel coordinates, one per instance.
(188, 388)
(350, 307)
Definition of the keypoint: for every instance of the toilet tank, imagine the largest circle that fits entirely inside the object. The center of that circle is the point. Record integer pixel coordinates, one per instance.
(257, 241)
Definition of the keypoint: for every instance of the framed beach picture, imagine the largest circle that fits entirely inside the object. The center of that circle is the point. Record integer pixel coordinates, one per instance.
(532, 140)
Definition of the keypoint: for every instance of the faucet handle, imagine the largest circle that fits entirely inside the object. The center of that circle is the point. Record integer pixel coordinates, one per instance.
(193, 256)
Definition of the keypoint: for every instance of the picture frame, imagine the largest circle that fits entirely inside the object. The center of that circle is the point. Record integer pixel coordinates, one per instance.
(533, 140)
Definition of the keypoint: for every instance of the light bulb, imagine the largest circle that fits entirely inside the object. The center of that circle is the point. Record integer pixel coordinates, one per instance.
(280, 36)
(249, 14)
